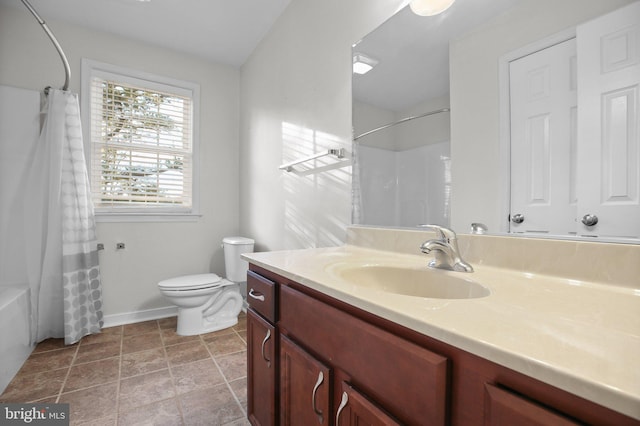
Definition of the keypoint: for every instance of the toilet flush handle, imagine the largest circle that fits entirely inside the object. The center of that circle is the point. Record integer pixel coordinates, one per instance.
(256, 295)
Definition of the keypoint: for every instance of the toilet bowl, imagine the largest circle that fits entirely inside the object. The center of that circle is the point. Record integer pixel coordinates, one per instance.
(207, 302)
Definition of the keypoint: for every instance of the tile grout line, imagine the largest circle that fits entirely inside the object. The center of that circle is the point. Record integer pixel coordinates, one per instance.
(247, 352)
(241, 338)
(173, 379)
(22, 374)
(165, 340)
(66, 377)
(225, 378)
(117, 408)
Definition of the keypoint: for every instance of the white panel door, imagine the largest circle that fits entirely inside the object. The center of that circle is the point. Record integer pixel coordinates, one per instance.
(543, 135)
(609, 126)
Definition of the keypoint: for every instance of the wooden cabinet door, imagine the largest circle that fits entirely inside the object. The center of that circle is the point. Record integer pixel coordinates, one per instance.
(505, 408)
(261, 370)
(409, 381)
(357, 410)
(305, 387)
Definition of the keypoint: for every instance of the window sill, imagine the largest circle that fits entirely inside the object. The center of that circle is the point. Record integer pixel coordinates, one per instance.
(146, 217)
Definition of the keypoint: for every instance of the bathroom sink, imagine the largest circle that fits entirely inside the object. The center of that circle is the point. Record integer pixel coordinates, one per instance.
(412, 281)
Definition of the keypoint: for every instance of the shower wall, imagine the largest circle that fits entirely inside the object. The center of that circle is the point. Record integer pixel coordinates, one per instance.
(19, 130)
(403, 171)
(404, 188)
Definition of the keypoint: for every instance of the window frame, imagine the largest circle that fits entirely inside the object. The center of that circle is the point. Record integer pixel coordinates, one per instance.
(151, 213)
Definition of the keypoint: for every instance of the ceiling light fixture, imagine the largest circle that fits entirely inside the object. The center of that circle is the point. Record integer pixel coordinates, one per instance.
(362, 64)
(429, 7)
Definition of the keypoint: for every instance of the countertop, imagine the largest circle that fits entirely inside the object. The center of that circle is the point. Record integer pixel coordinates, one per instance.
(579, 336)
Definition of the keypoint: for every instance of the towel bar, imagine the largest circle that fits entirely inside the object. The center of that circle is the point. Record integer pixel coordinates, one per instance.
(338, 152)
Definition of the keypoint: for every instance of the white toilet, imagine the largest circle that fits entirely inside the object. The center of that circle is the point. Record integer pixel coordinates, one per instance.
(207, 302)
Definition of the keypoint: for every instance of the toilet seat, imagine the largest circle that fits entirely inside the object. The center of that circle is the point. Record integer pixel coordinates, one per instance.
(191, 282)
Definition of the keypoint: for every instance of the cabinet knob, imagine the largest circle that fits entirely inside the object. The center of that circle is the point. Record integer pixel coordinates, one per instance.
(517, 218)
(589, 219)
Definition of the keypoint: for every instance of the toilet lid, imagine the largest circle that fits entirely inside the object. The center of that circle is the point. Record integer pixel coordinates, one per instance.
(191, 282)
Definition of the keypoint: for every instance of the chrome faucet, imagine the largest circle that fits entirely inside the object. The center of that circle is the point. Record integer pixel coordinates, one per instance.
(446, 252)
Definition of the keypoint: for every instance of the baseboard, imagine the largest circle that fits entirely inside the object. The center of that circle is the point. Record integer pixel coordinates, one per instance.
(139, 316)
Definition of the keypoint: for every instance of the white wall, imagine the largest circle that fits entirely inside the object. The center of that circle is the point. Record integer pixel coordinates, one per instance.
(477, 165)
(154, 251)
(19, 132)
(301, 75)
(368, 117)
(432, 129)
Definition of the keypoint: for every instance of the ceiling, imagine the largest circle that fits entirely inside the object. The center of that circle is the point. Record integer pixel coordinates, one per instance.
(413, 53)
(227, 32)
(221, 31)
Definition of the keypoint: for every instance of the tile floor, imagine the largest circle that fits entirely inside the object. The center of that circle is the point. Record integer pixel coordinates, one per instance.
(141, 374)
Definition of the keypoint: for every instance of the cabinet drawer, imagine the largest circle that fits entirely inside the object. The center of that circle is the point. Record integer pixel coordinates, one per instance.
(261, 295)
(407, 380)
(503, 407)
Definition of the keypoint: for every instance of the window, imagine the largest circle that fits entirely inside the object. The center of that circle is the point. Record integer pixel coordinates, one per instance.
(140, 140)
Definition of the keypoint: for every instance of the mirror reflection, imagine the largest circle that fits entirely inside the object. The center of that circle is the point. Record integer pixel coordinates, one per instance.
(473, 116)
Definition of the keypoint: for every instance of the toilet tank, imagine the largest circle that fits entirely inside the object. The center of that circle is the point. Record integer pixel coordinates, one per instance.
(236, 268)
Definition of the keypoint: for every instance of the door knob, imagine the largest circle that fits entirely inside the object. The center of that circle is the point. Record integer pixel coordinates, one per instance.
(517, 218)
(589, 219)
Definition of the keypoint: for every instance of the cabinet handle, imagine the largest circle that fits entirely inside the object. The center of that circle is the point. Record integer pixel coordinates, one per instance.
(256, 295)
(267, 337)
(313, 396)
(343, 403)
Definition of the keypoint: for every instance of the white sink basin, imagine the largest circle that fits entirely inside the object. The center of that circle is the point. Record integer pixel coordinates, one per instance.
(415, 282)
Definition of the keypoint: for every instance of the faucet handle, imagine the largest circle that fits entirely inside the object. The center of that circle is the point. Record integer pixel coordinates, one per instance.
(478, 228)
(443, 233)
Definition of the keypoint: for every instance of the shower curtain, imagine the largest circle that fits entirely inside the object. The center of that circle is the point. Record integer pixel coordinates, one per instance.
(64, 275)
(356, 188)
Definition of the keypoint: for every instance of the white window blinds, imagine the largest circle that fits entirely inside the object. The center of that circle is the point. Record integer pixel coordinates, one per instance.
(141, 145)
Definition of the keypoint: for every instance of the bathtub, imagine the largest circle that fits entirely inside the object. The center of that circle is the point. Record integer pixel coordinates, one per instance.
(15, 345)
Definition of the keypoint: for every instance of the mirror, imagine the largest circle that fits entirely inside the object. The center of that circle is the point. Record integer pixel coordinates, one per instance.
(432, 121)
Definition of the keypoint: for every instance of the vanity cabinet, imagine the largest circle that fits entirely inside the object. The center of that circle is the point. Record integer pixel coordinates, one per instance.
(504, 408)
(341, 365)
(262, 359)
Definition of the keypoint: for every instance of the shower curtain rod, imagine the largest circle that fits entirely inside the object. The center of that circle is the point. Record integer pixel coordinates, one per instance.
(401, 121)
(67, 69)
